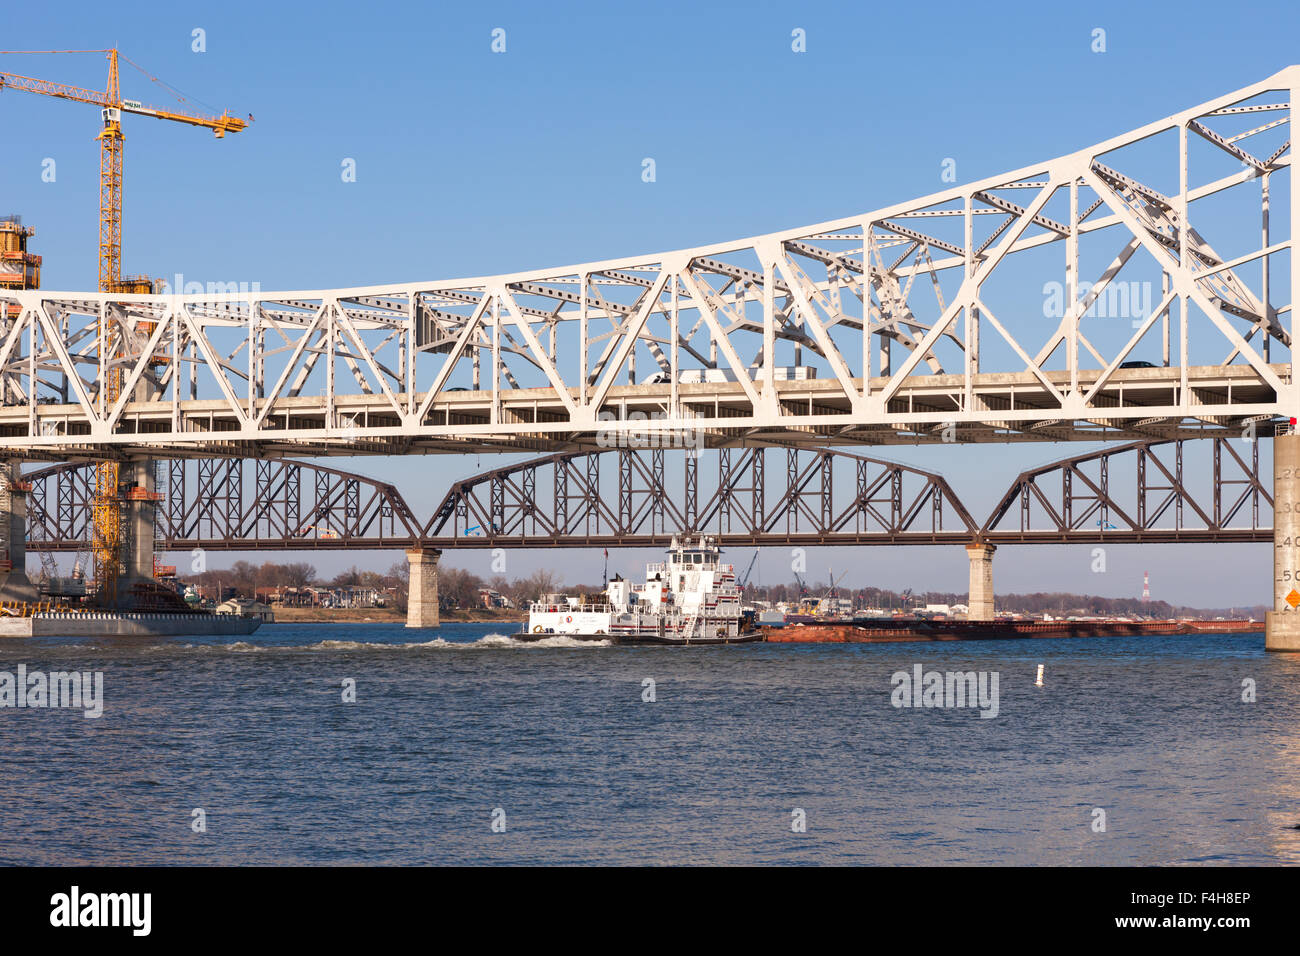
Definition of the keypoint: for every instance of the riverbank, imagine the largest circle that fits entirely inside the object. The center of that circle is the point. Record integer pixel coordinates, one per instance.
(384, 615)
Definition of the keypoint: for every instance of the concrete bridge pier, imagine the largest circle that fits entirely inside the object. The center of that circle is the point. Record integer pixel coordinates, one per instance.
(980, 599)
(14, 583)
(1282, 624)
(422, 589)
(141, 510)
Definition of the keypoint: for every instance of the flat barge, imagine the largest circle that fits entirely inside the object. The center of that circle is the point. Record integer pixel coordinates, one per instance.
(900, 630)
(127, 624)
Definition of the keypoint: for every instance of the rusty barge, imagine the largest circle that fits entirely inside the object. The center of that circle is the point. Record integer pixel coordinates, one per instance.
(884, 631)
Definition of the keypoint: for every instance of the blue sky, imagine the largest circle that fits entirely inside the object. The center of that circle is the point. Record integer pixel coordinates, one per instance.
(470, 162)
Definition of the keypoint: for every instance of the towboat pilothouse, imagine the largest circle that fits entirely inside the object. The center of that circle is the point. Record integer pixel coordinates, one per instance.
(691, 598)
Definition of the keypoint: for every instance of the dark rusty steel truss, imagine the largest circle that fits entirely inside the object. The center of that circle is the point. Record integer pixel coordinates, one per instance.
(1140, 492)
(1135, 493)
(742, 495)
(233, 504)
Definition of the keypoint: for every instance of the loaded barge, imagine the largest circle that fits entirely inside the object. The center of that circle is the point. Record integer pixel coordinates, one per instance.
(143, 607)
(874, 631)
(93, 623)
(148, 610)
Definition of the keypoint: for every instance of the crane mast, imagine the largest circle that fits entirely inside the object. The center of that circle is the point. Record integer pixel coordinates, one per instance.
(110, 189)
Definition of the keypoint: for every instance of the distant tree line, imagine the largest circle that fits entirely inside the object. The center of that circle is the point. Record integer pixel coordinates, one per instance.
(459, 588)
(246, 578)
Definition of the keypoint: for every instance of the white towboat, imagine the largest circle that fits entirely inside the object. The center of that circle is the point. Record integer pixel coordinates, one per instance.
(691, 598)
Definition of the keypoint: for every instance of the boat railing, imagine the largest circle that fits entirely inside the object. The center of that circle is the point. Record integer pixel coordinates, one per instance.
(661, 567)
(538, 607)
(669, 612)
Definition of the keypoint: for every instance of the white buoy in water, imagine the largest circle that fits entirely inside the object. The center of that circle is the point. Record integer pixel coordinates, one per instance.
(1039, 682)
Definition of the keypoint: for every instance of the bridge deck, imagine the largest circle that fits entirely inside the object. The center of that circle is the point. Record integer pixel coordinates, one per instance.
(1001, 406)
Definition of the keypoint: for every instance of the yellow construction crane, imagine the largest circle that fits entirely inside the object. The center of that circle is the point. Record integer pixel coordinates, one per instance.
(107, 505)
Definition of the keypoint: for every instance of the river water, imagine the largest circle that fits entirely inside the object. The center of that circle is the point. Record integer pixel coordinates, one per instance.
(470, 748)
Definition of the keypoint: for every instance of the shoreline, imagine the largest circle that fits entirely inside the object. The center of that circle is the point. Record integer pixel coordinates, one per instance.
(378, 615)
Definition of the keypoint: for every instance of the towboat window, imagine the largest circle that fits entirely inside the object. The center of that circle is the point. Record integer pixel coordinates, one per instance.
(699, 559)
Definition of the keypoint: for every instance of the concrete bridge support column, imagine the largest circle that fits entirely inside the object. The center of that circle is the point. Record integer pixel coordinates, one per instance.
(140, 514)
(1282, 624)
(422, 589)
(980, 600)
(14, 583)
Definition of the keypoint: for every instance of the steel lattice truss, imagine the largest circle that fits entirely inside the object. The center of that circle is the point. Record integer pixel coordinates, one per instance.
(1133, 493)
(231, 503)
(1141, 492)
(750, 496)
(1002, 309)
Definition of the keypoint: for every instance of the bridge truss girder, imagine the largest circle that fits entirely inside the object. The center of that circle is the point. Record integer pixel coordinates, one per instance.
(1160, 500)
(640, 498)
(232, 504)
(643, 501)
(925, 319)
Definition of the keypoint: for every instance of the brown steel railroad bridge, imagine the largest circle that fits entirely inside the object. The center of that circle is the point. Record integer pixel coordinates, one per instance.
(1174, 491)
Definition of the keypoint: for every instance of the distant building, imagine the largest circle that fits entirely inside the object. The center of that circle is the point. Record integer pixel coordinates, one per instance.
(357, 596)
(488, 597)
(246, 607)
(291, 597)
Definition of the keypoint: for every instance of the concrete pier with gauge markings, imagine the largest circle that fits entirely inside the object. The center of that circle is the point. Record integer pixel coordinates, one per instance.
(1282, 624)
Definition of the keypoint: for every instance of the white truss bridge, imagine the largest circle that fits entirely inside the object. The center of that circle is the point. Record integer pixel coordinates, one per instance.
(1139, 288)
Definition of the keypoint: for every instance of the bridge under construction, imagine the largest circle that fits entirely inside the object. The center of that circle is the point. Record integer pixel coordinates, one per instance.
(1138, 290)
